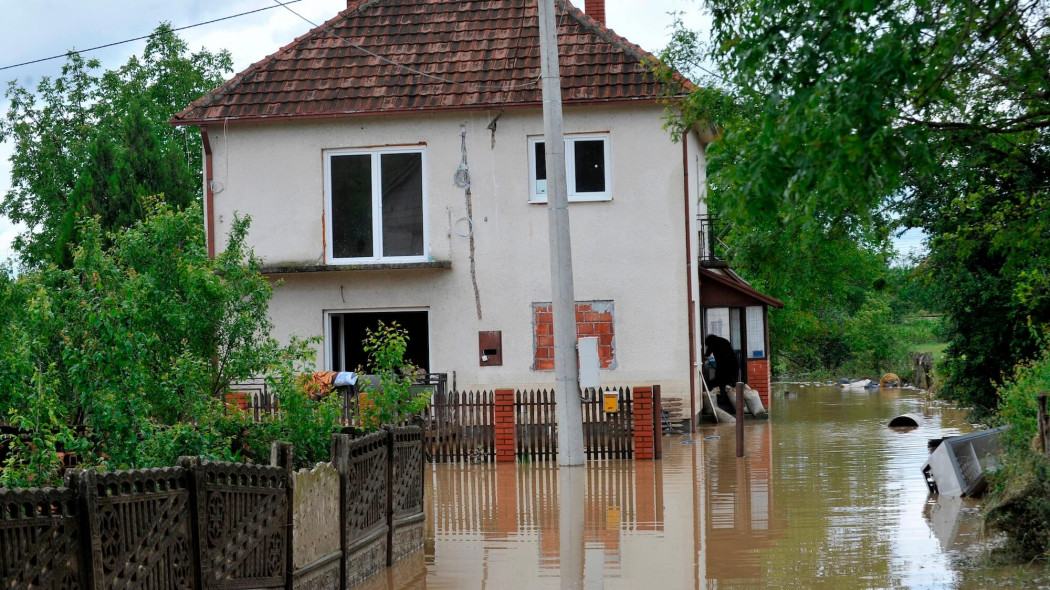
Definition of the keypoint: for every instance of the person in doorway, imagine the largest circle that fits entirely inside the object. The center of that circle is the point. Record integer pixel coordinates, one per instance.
(727, 369)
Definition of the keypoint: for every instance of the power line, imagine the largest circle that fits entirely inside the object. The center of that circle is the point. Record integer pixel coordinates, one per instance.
(403, 66)
(26, 63)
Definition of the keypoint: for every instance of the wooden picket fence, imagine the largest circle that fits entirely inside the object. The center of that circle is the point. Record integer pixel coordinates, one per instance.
(460, 428)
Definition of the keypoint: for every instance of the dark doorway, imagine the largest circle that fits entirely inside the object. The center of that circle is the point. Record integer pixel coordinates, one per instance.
(347, 336)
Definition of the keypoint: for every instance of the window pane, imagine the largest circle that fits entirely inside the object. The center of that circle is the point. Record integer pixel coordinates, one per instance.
(756, 333)
(590, 165)
(540, 187)
(402, 204)
(352, 206)
(718, 321)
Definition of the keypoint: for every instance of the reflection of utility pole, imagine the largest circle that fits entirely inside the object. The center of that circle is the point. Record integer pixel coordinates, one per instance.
(572, 488)
(563, 300)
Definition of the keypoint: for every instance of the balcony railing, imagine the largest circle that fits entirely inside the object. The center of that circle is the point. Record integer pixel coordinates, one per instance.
(714, 252)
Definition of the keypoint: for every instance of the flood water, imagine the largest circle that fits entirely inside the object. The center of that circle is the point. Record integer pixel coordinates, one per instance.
(826, 497)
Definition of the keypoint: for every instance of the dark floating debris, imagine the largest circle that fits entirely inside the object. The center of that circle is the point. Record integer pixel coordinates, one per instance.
(906, 420)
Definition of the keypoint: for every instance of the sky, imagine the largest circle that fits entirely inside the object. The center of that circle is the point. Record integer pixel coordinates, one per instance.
(42, 28)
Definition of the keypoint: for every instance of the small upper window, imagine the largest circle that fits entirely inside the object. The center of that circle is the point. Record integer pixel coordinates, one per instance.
(587, 176)
(375, 205)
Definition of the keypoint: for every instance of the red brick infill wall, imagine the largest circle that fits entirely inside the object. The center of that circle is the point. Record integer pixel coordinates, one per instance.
(506, 451)
(643, 423)
(758, 378)
(592, 319)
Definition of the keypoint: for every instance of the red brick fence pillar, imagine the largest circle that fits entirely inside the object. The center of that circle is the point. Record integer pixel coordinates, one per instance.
(506, 445)
(643, 423)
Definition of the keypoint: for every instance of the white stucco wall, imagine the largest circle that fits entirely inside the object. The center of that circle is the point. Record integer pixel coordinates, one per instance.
(629, 250)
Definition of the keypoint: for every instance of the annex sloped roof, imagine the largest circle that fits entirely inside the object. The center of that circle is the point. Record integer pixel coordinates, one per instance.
(417, 55)
(730, 279)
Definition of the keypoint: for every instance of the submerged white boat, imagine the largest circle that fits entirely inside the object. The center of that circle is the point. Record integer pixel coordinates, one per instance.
(957, 465)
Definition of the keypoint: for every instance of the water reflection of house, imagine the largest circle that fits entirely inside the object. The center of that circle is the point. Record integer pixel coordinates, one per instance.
(731, 308)
(738, 506)
(505, 514)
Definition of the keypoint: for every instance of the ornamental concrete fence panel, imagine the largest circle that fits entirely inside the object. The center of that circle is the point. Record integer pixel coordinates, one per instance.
(206, 525)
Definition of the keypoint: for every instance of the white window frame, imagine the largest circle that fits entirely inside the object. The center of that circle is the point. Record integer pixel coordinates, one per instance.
(377, 204)
(570, 169)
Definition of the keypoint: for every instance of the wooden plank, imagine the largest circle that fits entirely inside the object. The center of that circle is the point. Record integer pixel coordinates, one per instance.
(547, 430)
(629, 419)
(539, 441)
(552, 423)
(492, 427)
(518, 426)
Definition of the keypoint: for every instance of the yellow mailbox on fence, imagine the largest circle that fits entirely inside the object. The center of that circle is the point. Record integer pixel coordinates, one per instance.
(612, 402)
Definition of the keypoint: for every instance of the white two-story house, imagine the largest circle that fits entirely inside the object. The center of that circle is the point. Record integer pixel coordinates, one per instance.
(392, 164)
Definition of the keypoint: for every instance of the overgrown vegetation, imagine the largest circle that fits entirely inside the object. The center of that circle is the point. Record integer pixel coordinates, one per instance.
(842, 123)
(1020, 501)
(395, 399)
(121, 336)
(124, 358)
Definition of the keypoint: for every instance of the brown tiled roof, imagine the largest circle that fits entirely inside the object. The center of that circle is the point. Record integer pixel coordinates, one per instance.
(481, 54)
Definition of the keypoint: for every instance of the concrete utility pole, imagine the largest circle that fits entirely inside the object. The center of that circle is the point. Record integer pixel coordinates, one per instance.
(563, 300)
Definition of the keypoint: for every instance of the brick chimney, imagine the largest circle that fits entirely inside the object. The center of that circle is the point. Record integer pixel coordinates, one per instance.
(595, 9)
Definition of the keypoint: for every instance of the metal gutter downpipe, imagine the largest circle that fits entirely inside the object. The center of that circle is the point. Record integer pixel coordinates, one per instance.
(689, 284)
(209, 194)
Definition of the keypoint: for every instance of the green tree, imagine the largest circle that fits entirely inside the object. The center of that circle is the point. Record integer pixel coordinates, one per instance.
(125, 357)
(872, 336)
(96, 145)
(819, 264)
(859, 116)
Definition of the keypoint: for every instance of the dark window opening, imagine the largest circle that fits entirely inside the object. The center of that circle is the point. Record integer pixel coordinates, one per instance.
(584, 163)
(360, 197)
(402, 204)
(352, 206)
(590, 166)
(348, 332)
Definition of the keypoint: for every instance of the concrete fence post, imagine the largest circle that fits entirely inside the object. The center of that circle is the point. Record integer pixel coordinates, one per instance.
(281, 455)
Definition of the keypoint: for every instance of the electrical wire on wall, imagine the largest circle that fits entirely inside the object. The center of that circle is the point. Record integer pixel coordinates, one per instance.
(462, 180)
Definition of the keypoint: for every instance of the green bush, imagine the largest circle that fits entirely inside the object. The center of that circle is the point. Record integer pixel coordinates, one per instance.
(393, 401)
(874, 337)
(125, 357)
(1020, 500)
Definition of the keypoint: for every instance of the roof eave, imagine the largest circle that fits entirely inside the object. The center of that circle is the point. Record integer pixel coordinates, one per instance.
(742, 287)
(479, 107)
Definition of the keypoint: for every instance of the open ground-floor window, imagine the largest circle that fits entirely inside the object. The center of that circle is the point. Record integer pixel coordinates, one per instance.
(346, 332)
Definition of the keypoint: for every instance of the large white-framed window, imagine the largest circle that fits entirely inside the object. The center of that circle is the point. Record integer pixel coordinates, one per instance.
(375, 204)
(588, 173)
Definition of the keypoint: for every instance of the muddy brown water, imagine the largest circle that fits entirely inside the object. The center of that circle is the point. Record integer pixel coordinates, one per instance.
(826, 497)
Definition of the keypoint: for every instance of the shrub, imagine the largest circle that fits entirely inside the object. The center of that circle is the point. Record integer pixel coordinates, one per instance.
(393, 401)
(135, 346)
(1020, 500)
